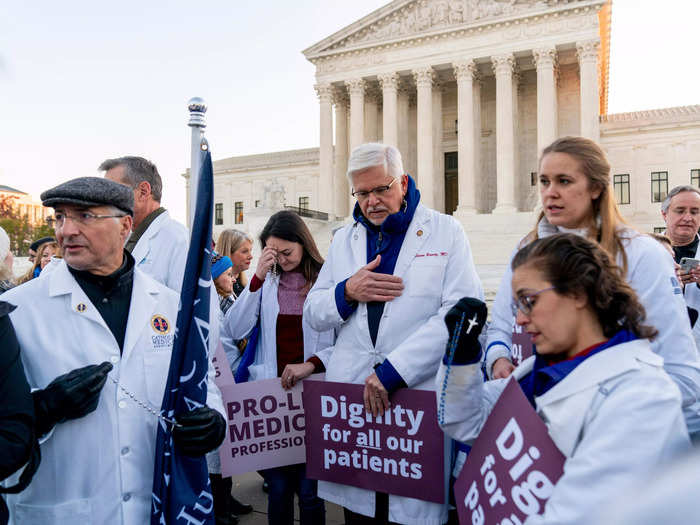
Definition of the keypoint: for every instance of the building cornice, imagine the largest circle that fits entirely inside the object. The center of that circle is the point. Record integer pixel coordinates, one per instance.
(654, 115)
(268, 160)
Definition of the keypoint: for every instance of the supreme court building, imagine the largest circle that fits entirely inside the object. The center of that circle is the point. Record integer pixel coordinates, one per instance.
(469, 91)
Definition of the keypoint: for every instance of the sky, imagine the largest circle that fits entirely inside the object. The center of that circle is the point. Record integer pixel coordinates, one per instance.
(82, 81)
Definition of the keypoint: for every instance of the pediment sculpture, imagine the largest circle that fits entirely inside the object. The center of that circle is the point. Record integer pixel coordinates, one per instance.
(430, 15)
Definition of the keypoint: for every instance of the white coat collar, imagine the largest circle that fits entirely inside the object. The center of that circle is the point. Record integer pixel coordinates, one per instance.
(546, 228)
(417, 234)
(596, 369)
(143, 300)
(600, 367)
(141, 248)
(565, 407)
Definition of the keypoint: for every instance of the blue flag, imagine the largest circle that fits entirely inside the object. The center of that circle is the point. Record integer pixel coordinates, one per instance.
(181, 491)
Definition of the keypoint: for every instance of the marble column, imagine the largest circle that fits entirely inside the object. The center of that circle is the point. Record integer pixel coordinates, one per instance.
(371, 113)
(479, 190)
(403, 126)
(325, 160)
(424, 140)
(545, 63)
(356, 88)
(464, 72)
(505, 140)
(587, 53)
(341, 190)
(438, 153)
(390, 121)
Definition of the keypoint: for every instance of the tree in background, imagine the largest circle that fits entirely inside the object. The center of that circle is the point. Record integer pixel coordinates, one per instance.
(18, 227)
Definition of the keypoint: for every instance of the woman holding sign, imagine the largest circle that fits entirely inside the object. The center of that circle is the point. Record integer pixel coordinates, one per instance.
(607, 402)
(287, 347)
(574, 179)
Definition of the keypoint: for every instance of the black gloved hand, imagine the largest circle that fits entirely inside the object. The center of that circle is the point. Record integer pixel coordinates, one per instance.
(202, 431)
(472, 312)
(70, 396)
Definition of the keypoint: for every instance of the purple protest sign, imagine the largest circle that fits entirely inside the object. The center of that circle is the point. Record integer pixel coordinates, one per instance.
(223, 376)
(512, 468)
(521, 346)
(265, 426)
(400, 453)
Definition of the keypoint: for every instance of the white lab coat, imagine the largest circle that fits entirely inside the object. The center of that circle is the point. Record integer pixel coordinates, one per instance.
(616, 418)
(651, 274)
(161, 252)
(435, 263)
(97, 469)
(242, 317)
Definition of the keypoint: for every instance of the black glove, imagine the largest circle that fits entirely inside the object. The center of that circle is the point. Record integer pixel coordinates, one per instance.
(202, 431)
(472, 312)
(70, 396)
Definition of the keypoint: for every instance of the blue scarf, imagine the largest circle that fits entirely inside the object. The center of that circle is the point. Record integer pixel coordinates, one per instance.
(545, 376)
(386, 240)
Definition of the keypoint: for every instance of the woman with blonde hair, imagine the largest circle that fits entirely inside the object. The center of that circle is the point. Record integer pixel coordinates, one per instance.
(41, 260)
(577, 197)
(237, 246)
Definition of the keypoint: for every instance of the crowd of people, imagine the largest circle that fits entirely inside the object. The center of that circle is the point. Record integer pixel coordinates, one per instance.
(611, 311)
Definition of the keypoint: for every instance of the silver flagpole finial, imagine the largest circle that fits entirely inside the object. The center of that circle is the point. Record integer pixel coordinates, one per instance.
(198, 109)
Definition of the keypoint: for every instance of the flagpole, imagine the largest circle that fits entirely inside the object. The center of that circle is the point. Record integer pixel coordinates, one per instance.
(197, 107)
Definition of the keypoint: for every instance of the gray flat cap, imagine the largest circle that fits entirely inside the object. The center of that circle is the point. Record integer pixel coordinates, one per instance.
(91, 191)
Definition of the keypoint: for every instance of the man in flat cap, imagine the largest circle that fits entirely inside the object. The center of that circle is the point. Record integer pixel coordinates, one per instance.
(96, 307)
(158, 243)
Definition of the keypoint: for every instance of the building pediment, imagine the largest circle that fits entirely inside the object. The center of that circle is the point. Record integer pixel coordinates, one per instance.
(405, 19)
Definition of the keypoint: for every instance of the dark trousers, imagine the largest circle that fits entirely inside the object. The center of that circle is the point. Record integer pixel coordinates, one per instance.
(283, 483)
(381, 513)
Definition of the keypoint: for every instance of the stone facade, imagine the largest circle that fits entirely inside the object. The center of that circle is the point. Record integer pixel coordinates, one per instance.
(25, 205)
(470, 91)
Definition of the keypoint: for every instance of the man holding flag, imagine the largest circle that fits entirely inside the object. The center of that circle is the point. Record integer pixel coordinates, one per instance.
(105, 426)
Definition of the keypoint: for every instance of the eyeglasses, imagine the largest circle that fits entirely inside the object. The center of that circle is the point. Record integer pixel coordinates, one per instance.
(525, 303)
(84, 218)
(379, 191)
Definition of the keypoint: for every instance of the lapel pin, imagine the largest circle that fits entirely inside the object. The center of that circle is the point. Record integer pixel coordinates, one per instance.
(419, 233)
(80, 307)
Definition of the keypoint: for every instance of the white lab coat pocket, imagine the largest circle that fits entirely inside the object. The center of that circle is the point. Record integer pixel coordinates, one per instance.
(425, 278)
(69, 513)
(156, 365)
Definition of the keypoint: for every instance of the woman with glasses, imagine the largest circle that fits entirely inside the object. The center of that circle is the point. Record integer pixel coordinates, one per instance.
(574, 179)
(603, 394)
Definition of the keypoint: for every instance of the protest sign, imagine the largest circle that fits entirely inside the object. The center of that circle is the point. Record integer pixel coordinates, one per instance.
(512, 468)
(223, 376)
(401, 452)
(521, 345)
(265, 426)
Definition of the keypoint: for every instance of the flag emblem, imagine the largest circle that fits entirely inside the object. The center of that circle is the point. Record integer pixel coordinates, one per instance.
(80, 307)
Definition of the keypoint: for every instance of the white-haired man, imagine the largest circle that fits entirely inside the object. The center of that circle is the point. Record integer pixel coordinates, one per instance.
(388, 281)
